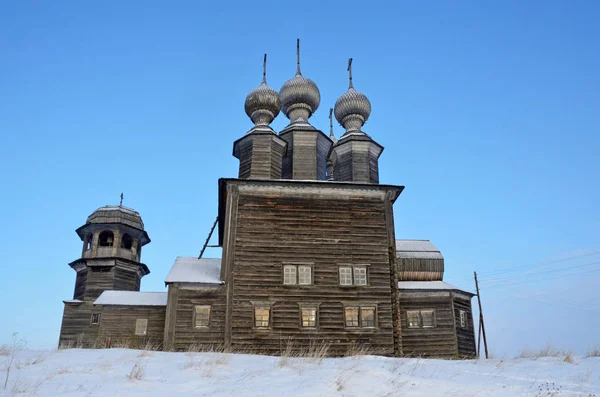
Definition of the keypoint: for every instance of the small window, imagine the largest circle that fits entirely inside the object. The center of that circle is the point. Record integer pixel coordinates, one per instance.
(304, 275)
(351, 314)
(201, 316)
(289, 274)
(141, 326)
(413, 319)
(427, 320)
(309, 317)
(297, 275)
(345, 275)
(95, 318)
(262, 316)
(421, 318)
(463, 319)
(360, 276)
(126, 241)
(353, 275)
(360, 316)
(88, 244)
(106, 239)
(367, 317)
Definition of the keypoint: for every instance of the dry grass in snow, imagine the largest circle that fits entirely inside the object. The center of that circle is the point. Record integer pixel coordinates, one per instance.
(124, 372)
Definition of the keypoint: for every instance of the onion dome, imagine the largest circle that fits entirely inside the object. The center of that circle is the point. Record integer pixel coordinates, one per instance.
(300, 97)
(117, 214)
(262, 103)
(353, 108)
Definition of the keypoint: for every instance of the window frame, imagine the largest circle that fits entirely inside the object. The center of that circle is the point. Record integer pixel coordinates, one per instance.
(360, 307)
(316, 320)
(353, 272)
(297, 267)
(420, 319)
(95, 315)
(139, 321)
(464, 322)
(269, 319)
(195, 317)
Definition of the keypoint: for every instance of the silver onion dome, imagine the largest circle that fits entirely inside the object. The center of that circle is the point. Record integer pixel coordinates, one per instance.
(353, 108)
(262, 103)
(300, 97)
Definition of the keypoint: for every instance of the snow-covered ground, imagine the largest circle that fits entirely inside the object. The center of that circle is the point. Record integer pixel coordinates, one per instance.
(122, 372)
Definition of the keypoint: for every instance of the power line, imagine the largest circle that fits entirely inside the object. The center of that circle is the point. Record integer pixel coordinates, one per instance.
(525, 267)
(543, 279)
(518, 276)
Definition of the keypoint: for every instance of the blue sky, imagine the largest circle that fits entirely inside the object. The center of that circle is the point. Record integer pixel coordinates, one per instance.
(488, 114)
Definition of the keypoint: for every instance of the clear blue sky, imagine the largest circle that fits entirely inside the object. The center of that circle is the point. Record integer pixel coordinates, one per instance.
(489, 114)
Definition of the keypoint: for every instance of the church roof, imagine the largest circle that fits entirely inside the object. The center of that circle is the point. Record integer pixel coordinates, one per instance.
(117, 214)
(193, 270)
(429, 286)
(417, 249)
(132, 298)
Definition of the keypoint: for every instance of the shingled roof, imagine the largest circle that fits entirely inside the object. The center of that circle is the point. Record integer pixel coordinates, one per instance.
(417, 249)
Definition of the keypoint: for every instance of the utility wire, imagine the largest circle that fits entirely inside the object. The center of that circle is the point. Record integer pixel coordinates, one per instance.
(537, 280)
(525, 267)
(518, 276)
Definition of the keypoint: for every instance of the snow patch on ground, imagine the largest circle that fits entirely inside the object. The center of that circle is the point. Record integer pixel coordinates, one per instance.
(123, 372)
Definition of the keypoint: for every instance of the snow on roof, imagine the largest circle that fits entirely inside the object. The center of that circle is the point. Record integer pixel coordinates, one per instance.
(72, 301)
(132, 298)
(427, 285)
(193, 270)
(419, 249)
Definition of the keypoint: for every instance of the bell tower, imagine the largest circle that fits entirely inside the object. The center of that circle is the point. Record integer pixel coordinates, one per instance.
(113, 237)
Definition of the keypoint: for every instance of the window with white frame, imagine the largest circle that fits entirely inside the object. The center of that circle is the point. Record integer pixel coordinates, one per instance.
(201, 316)
(309, 317)
(95, 319)
(262, 316)
(424, 318)
(297, 274)
(463, 319)
(360, 316)
(141, 326)
(353, 275)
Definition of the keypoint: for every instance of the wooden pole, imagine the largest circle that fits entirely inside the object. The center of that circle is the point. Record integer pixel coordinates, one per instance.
(212, 229)
(481, 322)
(479, 341)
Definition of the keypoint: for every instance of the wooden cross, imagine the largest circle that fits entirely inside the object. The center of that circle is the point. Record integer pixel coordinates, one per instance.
(121, 203)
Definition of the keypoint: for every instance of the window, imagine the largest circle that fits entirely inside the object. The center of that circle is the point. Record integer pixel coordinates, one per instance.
(262, 316)
(141, 326)
(463, 319)
(421, 318)
(126, 241)
(309, 317)
(413, 319)
(345, 275)
(95, 318)
(367, 317)
(297, 275)
(201, 316)
(427, 319)
(106, 239)
(88, 244)
(360, 316)
(353, 275)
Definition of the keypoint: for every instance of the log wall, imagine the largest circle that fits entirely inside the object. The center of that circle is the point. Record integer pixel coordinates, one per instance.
(325, 229)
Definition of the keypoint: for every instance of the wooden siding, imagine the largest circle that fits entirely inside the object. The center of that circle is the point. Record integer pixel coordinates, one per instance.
(272, 229)
(465, 336)
(76, 329)
(417, 269)
(439, 341)
(80, 282)
(306, 156)
(357, 161)
(185, 335)
(117, 326)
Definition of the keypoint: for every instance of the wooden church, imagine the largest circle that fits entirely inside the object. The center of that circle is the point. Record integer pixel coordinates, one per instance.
(309, 254)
